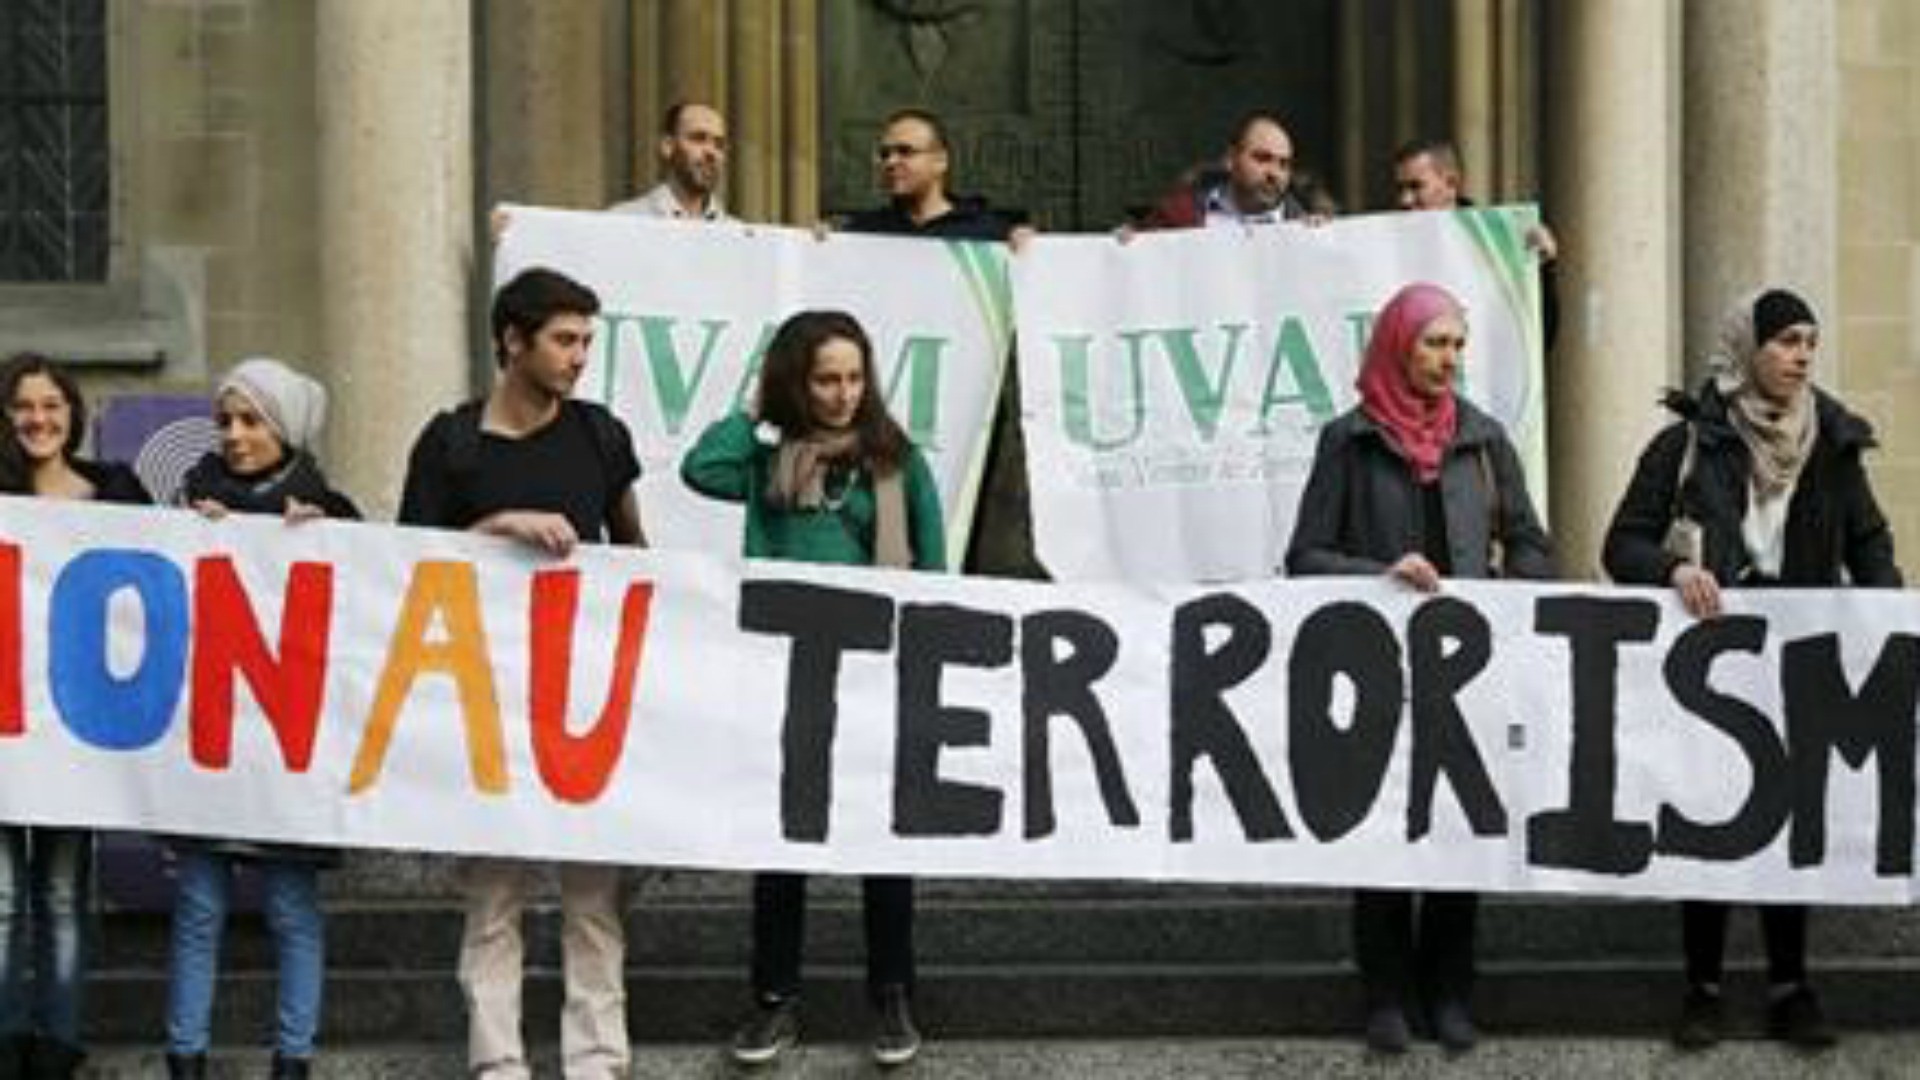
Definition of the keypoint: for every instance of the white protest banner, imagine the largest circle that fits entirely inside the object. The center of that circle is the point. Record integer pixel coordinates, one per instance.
(352, 684)
(1171, 387)
(687, 311)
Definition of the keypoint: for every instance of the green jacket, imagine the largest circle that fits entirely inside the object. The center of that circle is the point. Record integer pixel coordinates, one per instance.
(729, 463)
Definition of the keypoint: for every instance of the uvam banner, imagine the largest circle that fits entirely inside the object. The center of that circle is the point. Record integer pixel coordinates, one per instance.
(1172, 386)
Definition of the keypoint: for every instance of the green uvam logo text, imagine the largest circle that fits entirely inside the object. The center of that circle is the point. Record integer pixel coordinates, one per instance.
(678, 355)
(1210, 366)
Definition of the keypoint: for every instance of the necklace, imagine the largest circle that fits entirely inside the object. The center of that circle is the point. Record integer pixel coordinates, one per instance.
(829, 499)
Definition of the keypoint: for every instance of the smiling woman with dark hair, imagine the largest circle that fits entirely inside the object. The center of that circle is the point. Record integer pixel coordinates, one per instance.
(46, 873)
(1759, 484)
(827, 476)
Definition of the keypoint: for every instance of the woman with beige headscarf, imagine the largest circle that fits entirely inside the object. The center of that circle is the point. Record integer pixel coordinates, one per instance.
(1760, 484)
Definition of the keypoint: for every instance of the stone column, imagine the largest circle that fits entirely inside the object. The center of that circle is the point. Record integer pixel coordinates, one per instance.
(396, 227)
(1474, 86)
(757, 61)
(1613, 193)
(546, 140)
(1762, 158)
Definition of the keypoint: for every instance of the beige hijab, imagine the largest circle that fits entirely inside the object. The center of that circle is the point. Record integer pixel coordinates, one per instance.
(1779, 437)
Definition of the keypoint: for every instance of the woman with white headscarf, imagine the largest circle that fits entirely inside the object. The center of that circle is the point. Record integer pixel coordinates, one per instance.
(1759, 484)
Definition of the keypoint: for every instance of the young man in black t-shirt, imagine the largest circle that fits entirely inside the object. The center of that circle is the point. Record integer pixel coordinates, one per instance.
(531, 463)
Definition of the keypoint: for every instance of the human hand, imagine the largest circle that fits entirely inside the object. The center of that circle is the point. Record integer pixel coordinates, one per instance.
(550, 532)
(211, 509)
(1414, 569)
(1698, 589)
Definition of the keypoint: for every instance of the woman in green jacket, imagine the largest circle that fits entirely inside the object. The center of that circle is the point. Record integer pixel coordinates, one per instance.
(827, 476)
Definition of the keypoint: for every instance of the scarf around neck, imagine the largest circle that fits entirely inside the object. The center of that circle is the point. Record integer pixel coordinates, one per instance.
(799, 482)
(1779, 436)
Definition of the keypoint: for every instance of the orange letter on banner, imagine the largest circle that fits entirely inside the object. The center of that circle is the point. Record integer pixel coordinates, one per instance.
(449, 590)
(576, 767)
(13, 712)
(226, 638)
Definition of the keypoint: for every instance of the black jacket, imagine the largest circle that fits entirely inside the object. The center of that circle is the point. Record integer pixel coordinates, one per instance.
(970, 219)
(1833, 522)
(1361, 509)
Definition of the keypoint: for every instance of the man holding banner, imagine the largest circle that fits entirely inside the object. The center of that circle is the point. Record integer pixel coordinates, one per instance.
(531, 463)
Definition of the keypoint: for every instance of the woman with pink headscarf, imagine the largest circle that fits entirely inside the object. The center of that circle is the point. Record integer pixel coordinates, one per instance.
(1418, 484)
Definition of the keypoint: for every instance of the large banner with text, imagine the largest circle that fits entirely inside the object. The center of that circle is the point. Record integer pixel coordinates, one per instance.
(1172, 386)
(362, 685)
(687, 311)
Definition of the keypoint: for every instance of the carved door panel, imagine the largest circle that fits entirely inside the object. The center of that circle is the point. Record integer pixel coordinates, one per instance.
(1073, 110)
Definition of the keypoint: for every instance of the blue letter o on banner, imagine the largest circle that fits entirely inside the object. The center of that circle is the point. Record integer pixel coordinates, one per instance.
(110, 713)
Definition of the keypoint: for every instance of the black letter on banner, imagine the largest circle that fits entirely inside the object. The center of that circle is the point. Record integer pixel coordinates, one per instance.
(823, 623)
(1759, 819)
(1337, 774)
(931, 637)
(1202, 723)
(1824, 716)
(1585, 835)
(1064, 687)
(1441, 741)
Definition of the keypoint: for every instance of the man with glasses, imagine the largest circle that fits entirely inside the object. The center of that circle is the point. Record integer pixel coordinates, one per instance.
(914, 169)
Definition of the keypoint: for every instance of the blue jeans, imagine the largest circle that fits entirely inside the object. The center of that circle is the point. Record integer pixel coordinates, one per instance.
(199, 917)
(46, 878)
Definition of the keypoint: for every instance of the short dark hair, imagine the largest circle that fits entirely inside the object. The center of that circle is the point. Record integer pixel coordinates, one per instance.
(670, 120)
(19, 366)
(1445, 155)
(531, 299)
(1257, 116)
(925, 116)
(782, 390)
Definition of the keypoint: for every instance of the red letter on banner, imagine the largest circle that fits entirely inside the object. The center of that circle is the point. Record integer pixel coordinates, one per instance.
(576, 768)
(226, 638)
(13, 713)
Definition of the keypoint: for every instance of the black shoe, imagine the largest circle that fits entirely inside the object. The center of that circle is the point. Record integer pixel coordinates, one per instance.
(896, 1040)
(1453, 1025)
(52, 1059)
(1387, 1031)
(1702, 1018)
(1796, 1019)
(770, 1031)
(291, 1068)
(186, 1067)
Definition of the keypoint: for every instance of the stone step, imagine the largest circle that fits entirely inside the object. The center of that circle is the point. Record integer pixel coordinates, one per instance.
(1596, 997)
(1138, 1059)
(1078, 927)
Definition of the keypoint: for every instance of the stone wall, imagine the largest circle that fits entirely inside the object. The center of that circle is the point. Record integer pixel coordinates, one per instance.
(1876, 359)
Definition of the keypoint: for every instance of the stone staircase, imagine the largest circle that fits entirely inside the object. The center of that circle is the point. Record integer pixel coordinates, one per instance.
(1067, 963)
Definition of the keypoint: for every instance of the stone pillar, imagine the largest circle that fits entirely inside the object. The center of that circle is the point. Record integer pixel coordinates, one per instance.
(1613, 189)
(1762, 159)
(547, 96)
(396, 227)
(757, 61)
(1474, 87)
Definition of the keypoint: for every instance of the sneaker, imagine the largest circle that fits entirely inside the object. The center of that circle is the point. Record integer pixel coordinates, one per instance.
(1387, 1031)
(1796, 1019)
(897, 1040)
(772, 1030)
(1701, 1019)
(1453, 1025)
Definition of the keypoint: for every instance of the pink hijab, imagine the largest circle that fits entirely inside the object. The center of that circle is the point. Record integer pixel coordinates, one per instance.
(1421, 428)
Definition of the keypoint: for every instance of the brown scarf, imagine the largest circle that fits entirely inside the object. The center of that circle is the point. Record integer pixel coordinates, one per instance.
(799, 482)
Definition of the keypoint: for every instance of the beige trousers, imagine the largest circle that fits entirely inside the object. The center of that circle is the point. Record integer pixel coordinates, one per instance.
(593, 1023)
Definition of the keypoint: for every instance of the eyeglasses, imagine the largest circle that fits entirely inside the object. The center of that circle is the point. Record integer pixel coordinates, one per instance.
(887, 151)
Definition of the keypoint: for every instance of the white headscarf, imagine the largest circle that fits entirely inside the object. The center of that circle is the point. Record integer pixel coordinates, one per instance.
(292, 404)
